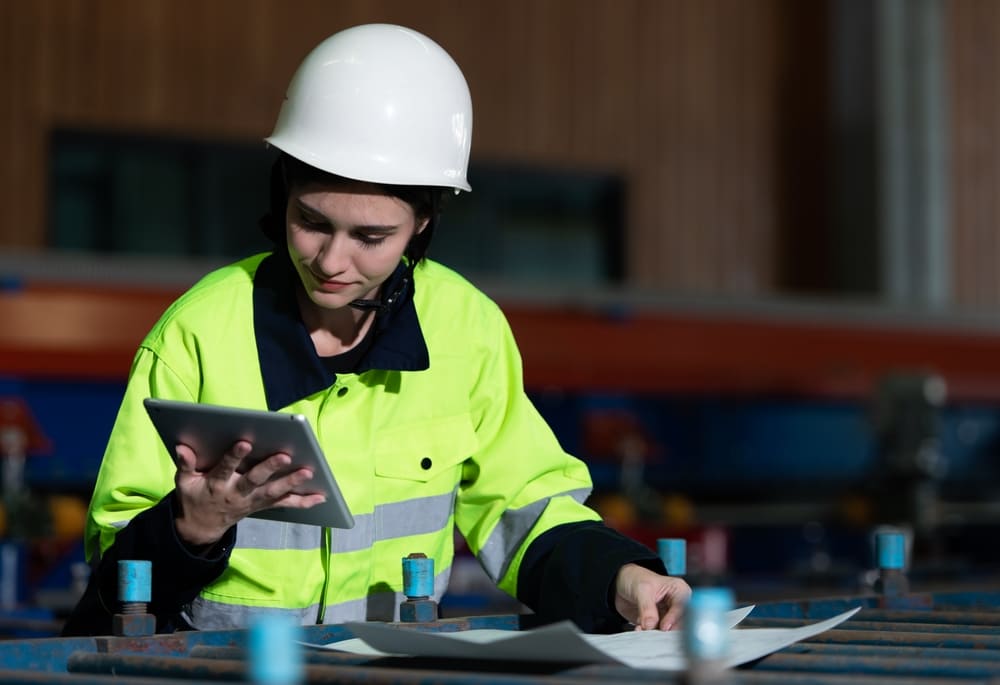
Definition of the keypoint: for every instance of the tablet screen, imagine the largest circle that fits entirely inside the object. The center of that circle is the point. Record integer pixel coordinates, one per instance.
(210, 430)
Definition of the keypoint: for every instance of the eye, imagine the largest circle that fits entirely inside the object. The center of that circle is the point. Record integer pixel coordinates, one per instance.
(371, 239)
(311, 222)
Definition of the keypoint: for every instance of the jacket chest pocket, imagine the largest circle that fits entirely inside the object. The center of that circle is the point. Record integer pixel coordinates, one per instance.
(423, 452)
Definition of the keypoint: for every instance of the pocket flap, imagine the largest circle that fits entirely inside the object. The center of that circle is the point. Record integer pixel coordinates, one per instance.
(422, 451)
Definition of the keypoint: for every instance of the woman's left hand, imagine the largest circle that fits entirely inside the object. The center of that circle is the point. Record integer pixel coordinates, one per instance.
(649, 600)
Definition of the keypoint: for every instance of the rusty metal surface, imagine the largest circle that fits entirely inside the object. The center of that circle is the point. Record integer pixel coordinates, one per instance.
(878, 665)
(22, 677)
(541, 671)
(825, 607)
(887, 650)
(956, 640)
(43, 654)
(186, 668)
(176, 668)
(812, 678)
(914, 639)
(894, 626)
(986, 618)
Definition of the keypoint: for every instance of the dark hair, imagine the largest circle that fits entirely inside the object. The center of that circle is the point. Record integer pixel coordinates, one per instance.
(288, 173)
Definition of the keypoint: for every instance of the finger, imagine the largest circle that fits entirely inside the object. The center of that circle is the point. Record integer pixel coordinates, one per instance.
(294, 501)
(266, 469)
(262, 475)
(649, 614)
(185, 458)
(276, 488)
(671, 619)
(231, 460)
(279, 493)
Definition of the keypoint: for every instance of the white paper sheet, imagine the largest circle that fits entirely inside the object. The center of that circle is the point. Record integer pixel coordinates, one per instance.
(563, 642)
(658, 650)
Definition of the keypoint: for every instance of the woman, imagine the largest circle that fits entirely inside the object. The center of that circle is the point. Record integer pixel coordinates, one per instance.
(408, 374)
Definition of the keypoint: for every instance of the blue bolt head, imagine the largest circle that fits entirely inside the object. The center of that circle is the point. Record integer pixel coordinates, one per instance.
(418, 611)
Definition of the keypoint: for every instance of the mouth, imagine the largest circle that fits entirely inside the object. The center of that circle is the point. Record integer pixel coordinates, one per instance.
(331, 285)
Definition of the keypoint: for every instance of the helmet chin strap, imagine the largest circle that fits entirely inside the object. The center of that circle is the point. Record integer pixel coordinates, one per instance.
(384, 305)
(369, 305)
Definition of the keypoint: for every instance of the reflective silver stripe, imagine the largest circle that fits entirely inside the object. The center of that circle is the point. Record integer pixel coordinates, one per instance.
(120, 524)
(509, 534)
(392, 520)
(205, 614)
(361, 536)
(379, 606)
(415, 516)
(254, 533)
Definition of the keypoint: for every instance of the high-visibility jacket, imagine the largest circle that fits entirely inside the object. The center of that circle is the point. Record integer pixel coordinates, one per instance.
(432, 432)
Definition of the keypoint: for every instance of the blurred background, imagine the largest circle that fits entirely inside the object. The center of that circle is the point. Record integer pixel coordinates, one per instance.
(748, 248)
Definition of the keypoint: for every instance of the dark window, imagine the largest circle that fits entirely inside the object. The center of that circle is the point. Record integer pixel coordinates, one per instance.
(115, 193)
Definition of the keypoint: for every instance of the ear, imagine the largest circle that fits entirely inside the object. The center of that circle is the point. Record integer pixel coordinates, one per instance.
(421, 225)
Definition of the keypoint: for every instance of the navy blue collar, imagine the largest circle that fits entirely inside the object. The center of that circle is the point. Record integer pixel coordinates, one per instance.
(289, 365)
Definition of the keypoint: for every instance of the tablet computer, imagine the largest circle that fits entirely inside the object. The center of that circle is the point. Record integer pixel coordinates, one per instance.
(210, 430)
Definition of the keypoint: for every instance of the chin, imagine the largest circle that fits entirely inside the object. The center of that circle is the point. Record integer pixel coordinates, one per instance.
(331, 300)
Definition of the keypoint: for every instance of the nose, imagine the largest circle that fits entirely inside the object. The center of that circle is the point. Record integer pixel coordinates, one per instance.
(334, 257)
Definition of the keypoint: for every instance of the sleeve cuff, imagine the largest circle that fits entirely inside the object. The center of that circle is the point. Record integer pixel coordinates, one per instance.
(569, 573)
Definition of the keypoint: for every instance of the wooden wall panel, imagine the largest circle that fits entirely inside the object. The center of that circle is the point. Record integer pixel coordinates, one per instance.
(677, 95)
(973, 33)
(706, 165)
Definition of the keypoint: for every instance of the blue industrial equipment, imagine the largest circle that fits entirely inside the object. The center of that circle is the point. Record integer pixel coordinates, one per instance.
(673, 554)
(705, 635)
(891, 553)
(274, 651)
(418, 586)
(135, 579)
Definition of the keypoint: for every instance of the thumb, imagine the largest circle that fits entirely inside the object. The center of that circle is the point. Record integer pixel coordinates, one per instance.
(185, 458)
(649, 614)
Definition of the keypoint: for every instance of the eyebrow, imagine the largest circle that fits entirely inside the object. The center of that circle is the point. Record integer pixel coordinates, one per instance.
(371, 228)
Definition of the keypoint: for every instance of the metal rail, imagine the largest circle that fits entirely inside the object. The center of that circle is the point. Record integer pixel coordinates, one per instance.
(923, 639)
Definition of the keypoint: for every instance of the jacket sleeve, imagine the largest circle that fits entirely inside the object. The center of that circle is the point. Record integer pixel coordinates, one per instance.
(131, 514)
(520, 482)
(569, 572)
(137, 471)
(179, 572)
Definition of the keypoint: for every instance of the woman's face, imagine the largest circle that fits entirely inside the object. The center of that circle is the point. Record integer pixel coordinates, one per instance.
(346, 240)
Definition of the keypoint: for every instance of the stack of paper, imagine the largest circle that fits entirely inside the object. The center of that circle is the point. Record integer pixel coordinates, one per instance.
(564, 643)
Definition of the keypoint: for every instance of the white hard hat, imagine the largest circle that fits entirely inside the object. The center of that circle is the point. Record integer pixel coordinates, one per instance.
(379, 103)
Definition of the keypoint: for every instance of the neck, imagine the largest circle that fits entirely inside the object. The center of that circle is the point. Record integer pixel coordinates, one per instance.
(334, 331)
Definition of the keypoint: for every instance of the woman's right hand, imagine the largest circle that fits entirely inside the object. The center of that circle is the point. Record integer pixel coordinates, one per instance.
(212, 501)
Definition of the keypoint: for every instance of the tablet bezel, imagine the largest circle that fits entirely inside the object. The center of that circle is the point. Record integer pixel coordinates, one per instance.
(211, 429)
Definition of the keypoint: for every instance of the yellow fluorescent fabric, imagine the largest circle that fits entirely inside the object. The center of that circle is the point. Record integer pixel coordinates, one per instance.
(495, 469)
